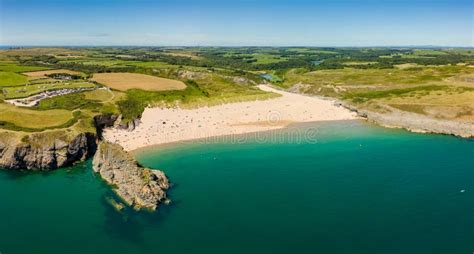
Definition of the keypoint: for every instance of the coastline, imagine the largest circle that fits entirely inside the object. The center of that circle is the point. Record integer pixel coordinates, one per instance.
(170, 125)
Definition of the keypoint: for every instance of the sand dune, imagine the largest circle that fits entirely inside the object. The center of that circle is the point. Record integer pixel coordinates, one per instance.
(168, 125)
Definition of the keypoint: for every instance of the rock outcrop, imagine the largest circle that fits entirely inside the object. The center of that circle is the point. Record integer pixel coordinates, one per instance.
(108, 120)
(420, 123)
(414, 122)
(140, 188)
(103, 121)
(130, 125)
(36, 153)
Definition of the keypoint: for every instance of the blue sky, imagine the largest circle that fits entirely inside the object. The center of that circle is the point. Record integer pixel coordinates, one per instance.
(237, 22)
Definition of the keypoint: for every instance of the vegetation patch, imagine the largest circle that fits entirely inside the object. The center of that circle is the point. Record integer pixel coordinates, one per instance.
(362, 97)
(69, 102)
(415, 108)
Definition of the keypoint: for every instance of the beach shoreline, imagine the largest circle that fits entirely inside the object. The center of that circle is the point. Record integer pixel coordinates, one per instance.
(160, 126)
(297, 132)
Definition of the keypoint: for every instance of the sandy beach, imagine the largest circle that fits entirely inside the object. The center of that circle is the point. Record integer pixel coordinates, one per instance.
(168, 125)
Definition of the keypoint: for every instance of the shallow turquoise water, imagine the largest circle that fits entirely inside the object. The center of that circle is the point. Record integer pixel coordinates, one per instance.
(352, 188)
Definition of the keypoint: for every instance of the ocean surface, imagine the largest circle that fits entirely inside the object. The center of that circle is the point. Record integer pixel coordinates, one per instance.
(340, 187)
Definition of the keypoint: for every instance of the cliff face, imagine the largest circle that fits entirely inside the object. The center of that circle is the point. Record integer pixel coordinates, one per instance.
(50, 150)
(109, 120)
(139, 187)
(47, 155)
(104, 121)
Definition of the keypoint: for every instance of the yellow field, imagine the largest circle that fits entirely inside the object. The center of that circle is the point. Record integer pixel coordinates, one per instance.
(99, 95)
(28, 118)
(125, 81)
(37, 74)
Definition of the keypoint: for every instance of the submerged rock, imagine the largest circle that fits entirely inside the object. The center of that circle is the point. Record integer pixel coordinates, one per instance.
(118, 206)
(141, 188)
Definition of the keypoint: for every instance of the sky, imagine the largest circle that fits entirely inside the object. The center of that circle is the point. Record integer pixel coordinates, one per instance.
(237, 22)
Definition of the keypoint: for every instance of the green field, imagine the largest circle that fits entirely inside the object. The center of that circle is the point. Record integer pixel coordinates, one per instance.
(12, 67)
(312, 51)
(267, 59)
(12, 79)
(429, 52)
(11, 116)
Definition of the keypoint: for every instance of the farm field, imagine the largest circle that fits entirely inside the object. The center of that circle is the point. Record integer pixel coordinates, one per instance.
(36, 74)
(13, 67)
(33, 119)
(126, 81)
(12, 79)
(267, 59)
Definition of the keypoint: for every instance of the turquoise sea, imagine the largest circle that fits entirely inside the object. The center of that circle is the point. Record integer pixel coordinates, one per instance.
(345, 187)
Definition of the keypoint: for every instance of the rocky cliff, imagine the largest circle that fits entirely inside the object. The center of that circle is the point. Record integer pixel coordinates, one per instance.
(41, 151)
(394, 118)
(420, 123)
(109, 120)
(139, 187)
(51, 149)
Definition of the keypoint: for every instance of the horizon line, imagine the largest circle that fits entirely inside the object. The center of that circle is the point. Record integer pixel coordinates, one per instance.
(237, 46)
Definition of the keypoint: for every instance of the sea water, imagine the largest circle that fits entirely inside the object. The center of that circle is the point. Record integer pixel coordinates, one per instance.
(334, 187)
